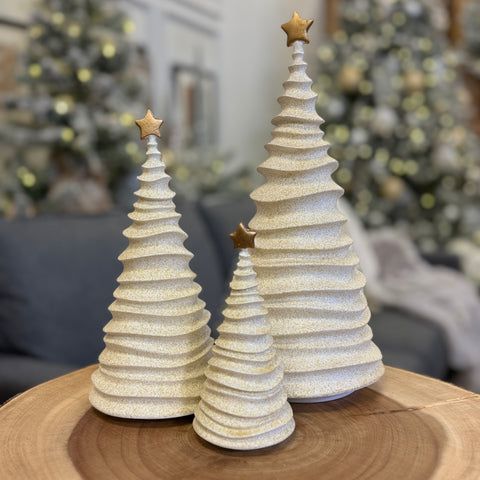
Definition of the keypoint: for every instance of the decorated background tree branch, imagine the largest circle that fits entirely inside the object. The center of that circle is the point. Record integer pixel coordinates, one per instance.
(398, 117)
(68, 131)
(243, 404)
(158, 341)
(307, 270)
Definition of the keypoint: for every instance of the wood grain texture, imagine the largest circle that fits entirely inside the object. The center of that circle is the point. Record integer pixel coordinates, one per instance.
(404, 427)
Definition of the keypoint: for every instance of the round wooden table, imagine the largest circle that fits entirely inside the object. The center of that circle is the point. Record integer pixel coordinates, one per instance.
(404, 427)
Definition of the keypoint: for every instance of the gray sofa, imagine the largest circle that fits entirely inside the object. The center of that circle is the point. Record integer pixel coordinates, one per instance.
(57, 275)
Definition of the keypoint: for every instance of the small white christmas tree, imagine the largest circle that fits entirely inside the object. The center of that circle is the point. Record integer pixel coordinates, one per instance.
(307, 270)
(243, 403)
(158, 341)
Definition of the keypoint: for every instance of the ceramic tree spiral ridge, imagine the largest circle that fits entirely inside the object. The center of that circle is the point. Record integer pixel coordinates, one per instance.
(243, 404)
(158, 341)
(307, 270)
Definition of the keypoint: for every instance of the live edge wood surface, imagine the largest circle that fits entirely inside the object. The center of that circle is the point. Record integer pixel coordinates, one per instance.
(404, 427)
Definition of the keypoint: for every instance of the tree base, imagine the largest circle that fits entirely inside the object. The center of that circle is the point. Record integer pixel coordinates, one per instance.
(320, 399)
(257, 442)
(142, 408)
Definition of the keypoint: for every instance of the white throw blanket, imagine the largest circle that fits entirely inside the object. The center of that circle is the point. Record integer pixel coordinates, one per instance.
(397, 276)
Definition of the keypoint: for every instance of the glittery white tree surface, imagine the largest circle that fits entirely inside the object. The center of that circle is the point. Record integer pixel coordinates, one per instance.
(307, 270)
(158, 341)
(243, 404)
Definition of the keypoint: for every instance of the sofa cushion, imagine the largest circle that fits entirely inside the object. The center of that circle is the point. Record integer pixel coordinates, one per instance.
(19, 373)
(57, 275)
(410, 342)
(406, 360)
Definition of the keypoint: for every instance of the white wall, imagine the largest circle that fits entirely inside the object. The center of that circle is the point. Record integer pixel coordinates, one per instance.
(250, 57)
(176, 31)
(255, 62)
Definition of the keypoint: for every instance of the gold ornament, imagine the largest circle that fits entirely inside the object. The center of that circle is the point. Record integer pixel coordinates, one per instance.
(74, 30)
(131, 148)
(392, 188)
(129, 26)
(27, 178)
(397, 165)
(365, 87)
(35, 70)
(127, 119)
(350, 78)
(67, 134)
(382, 156)
(365, 151)
(149, 125)
(296, 29)
(342, 134)
(58, 18)
(325, 54)
(427, 201)
(109, 50)
(425, 44)
(61, 107)
(411, 167)
(84, 75)
(414, 80)
(423, 112)
(404, 54)
(243, 237)
(344, 176)
(417, 136)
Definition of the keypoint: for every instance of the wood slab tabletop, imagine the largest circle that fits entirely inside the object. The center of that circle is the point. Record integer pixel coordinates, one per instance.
(404, 427)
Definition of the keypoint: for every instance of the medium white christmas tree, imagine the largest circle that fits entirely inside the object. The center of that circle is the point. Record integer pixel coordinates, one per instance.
(158, 341)
(243, 404)
(307, 270)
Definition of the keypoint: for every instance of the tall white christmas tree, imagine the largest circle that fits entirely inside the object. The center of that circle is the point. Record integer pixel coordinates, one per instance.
(158, 341)
(307, 270)
(243, 404)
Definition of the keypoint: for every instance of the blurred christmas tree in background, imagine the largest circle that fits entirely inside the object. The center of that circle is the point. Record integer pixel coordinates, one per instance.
(69, 136)
(397, 117)
(205, 170)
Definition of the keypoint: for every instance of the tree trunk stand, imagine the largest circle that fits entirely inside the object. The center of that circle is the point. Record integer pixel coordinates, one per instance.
(404, 427)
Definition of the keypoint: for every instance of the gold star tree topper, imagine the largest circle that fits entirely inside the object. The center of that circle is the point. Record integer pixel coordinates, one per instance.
(296, 29)
(149, 125)
(243, 237)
